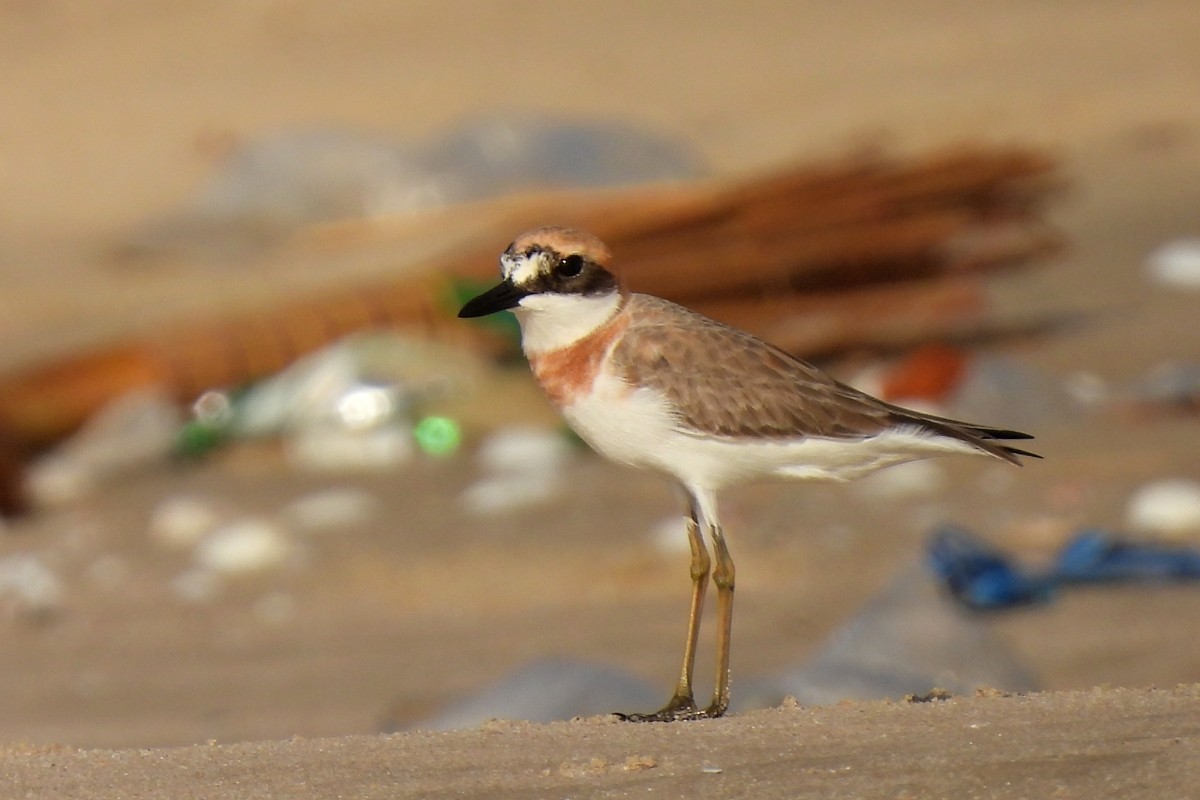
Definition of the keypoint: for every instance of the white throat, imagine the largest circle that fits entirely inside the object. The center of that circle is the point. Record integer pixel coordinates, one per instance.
(553, 321)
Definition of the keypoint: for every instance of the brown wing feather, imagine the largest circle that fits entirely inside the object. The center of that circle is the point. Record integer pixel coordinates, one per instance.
(725, 382)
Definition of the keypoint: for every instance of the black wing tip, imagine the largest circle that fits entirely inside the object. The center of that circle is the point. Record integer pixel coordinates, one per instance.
(985, 438)
(993, 433)
(1015, 451)
(1014, 454)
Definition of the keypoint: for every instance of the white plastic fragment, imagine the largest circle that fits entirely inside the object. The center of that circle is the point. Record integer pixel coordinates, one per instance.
(245, 545)
(1169, 508)
(523, 467)
(137, 428)
(364, 407)
(504, 493)
(179, 521)
(1086, 388)
(303, 395)
(524, 449)
(1176, 263)
(31, 586)
(334, 509)
(53, 481)
(335, 449)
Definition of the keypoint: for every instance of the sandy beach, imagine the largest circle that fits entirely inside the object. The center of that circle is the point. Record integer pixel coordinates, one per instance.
(284, 683)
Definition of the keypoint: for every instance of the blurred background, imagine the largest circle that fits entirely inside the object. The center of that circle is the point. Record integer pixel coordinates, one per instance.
(228, 521)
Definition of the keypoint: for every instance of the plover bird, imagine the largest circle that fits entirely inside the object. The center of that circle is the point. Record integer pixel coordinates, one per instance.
(651, 384)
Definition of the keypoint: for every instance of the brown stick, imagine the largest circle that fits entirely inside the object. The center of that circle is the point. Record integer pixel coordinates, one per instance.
(847, 225)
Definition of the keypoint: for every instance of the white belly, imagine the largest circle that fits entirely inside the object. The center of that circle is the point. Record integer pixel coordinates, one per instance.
(637, 428)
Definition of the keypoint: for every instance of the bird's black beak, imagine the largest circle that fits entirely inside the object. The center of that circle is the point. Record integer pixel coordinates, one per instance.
(503, 295)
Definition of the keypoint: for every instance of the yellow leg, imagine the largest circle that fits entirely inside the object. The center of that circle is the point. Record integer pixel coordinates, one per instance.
(699, 572)
(723, 578)
(682, 704)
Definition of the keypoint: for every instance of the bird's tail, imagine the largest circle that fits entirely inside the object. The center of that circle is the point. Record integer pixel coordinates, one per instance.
(982, 437)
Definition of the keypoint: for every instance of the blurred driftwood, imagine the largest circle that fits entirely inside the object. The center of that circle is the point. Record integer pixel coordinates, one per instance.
(818, 258)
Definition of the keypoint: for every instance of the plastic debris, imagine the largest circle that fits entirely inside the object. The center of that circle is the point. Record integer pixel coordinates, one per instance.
(312, 391)
(860, 280)
(500, 494)
(984, 579)
(333, 509)
(1168, 508)
(1099, 556)
(438, 436)
(1176, 263)
(361, 404)
(524, 449)
(242, 546)
(29, 586)
(222, 541)
(333, 449)
(180, 521)
(523, 467)
(136, 429)
(1087, 388)
(981, 577)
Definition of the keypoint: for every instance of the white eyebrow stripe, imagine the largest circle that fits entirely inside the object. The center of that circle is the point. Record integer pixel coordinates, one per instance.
(522, 269)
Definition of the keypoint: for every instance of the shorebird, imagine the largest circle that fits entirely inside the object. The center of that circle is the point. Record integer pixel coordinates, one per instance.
(651, 384)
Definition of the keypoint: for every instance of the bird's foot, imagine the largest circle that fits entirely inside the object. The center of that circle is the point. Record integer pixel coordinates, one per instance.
(678, 709)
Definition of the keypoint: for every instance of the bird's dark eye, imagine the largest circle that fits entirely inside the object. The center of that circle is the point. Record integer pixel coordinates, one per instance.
(569, 267)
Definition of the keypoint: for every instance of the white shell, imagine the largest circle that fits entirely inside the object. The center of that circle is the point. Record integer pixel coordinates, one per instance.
(246, 545)
(1166, 508)
(524, 449)
(180, 521)
(1176, 263)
